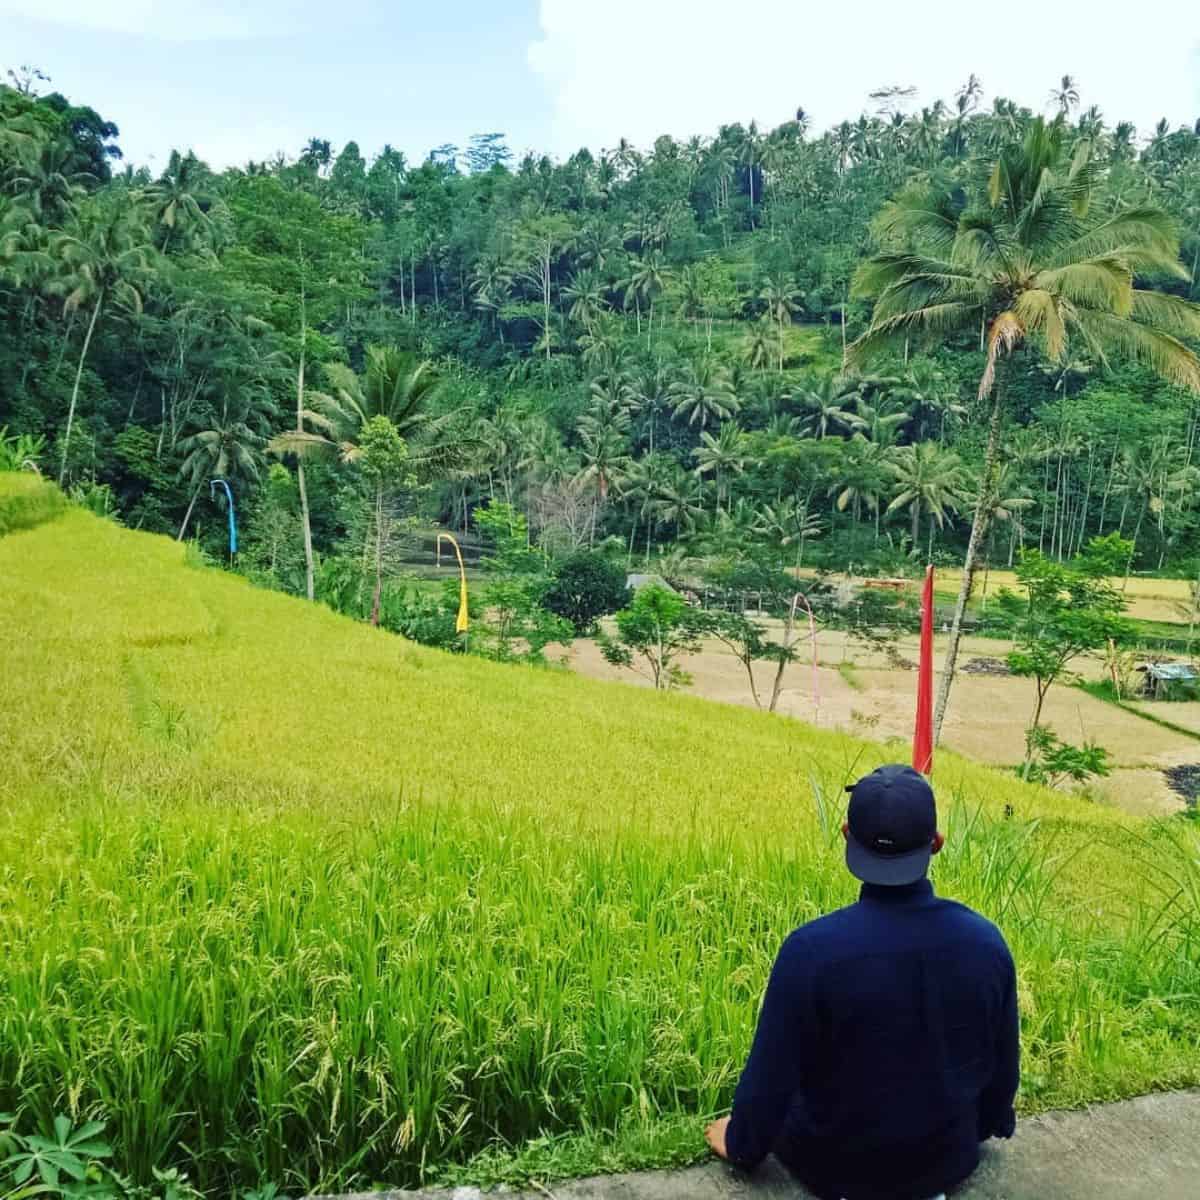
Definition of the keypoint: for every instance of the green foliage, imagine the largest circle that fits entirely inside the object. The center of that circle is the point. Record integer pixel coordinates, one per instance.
(749, 643)
(586, 585)
(506, 529)
(20, 451)
(232, 952)
(657, 628)
(1063, 610)
(1053, 762)
(382, 453)
(26, 501)
(874, 618)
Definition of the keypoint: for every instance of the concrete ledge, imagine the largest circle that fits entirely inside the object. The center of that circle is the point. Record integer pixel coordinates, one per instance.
(1144, 1149)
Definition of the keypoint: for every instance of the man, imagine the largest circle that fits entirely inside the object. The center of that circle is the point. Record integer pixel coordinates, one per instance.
(887, 1046)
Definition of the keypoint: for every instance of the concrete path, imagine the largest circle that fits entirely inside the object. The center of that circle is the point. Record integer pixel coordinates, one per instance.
(1144, 1149)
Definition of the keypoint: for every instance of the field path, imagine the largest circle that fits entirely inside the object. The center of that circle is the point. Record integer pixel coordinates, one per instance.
(1143, 1149)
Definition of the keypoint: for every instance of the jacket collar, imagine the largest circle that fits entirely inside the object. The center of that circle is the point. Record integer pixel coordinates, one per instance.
(909, 893)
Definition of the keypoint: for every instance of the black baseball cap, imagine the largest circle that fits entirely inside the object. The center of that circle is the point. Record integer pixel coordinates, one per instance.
(892, 823)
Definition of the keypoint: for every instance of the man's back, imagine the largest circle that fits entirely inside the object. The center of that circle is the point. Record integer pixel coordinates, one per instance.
(886, 1049)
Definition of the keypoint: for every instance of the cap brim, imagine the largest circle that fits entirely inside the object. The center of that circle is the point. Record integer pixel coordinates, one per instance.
(887, 870)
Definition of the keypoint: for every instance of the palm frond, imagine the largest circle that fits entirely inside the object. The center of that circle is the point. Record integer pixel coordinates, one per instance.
(1164, 354)
(1172, 314)
(301, 444)
(1037, 311)
(925, 217)
(1104, 282)
(1006, 333)
(1146, 228)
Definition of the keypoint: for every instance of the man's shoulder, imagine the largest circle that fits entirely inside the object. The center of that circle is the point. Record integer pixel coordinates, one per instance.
(974, 927)
(830, 928)
(837, 933)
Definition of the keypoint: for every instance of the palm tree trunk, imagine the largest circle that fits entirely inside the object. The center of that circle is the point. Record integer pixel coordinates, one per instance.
(1108, 482)
(1137, 529)
(375, 599)
(305, 523)
(87, 341)
(978, 529)
(187, 516)
(1087, 498)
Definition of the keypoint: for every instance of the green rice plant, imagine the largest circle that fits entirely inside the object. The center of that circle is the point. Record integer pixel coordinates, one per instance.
(27, 500)
(286, 898)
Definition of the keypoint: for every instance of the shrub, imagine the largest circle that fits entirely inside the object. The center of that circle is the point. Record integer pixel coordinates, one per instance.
(586, 586)
(26, 501)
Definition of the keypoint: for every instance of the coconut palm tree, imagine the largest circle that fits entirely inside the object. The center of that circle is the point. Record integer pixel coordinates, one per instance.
(648, 393)
(677, 501)
(790, 523)
(1026, 258)
(828, 404)
(865, 478)
(179, 201)
(604, 454)
(930, 401)
(230, 448)
(757, 344)
(396, 386)
(779, 292)
(47, 180)
(723, 455)
(704, 394)
(928, 482)
(646, 281)
(103, 260)
(1066, 95)
(585, 294)
(749, 152)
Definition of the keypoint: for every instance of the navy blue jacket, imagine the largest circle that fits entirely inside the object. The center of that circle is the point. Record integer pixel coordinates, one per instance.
(887, 1049)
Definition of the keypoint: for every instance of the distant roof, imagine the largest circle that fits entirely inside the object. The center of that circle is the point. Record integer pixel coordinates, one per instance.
(1169, 672)
(635, 581)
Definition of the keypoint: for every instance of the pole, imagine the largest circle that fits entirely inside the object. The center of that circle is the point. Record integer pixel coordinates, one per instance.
(233, 542)
(463, 621)
(800, 598)
(922, 749)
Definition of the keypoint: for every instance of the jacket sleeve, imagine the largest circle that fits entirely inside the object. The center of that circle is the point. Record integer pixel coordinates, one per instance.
(772, 1074)
(996, 1115)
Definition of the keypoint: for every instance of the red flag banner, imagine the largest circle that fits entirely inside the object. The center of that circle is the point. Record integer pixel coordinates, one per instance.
(922, 752)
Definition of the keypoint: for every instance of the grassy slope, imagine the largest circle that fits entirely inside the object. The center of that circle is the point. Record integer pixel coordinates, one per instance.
(285, 897)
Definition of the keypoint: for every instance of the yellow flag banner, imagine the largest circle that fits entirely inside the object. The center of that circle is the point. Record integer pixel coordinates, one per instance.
(463, 621)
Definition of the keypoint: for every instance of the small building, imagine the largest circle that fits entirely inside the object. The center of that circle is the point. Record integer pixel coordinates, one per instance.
(1169, 681)
(637, 580)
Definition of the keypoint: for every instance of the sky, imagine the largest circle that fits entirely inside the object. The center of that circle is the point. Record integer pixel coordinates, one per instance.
(242, 79)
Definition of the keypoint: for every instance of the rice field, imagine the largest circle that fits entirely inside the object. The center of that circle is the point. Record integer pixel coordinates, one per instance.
(284, 898)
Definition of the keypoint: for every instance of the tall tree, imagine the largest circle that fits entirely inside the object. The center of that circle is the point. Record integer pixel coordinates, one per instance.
(104, 259)
(1029, 257)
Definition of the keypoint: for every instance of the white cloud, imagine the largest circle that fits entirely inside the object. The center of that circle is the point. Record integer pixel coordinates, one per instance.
(639, 68)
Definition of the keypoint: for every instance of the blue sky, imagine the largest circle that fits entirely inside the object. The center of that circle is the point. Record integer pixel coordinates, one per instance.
(240, 79)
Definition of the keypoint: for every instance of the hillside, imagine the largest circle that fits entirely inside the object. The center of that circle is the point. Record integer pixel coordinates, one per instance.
(288, 898)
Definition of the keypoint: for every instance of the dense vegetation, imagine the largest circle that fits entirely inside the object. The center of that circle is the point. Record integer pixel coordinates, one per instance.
(286, 899)
(650, 349)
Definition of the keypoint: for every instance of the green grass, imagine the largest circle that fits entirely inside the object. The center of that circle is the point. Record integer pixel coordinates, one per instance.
(850, 676)
(1102, 689)
(283, 897)
(26, 501)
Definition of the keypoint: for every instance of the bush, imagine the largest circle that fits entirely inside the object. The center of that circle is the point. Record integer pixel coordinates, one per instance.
(586, 586)
(26, 501)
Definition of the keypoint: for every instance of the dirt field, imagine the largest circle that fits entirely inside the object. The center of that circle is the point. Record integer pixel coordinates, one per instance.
(860, 693)
(1149, 599)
